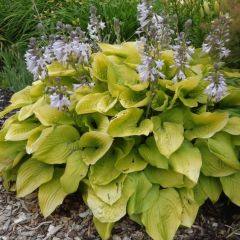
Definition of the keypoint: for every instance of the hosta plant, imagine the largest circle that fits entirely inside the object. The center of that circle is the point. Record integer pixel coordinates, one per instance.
(151, 134)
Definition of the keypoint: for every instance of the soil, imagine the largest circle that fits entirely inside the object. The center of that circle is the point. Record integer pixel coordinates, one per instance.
(20, 219)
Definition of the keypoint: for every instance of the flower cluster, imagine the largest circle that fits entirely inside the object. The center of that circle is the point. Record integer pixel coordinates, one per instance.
(145, 13)
(95, 26)
(215, 43)
(157, 37)
(37, 59)
(183, 52)
(69, 47)
(59, 95)
(150, 68)
(217, 88)
(155, 27)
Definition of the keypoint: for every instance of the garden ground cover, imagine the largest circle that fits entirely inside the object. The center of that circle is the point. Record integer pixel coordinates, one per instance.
(20, 219)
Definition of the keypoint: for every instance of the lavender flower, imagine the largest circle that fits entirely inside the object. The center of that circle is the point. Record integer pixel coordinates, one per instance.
(59, 101)
(217, 88)
(144, 13)
(149, 69)
(215, 43)
(154, 27)
(95, 26)
(59, 95)
(182, 55)
(37, 58)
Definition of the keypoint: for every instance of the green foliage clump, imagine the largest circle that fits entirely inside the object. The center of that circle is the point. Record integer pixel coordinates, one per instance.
(159, 169)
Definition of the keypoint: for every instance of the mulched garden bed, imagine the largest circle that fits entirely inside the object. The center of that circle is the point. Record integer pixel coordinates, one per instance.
(20, 219)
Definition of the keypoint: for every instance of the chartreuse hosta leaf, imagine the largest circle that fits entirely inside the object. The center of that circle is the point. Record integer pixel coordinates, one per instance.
(182, 89)
(166, 178)
(111, 192)
(31, 175)
(211, 164)
(230, 186)
(122, 77)
(74, 172)
(95, 102)
(206, 124)
(233, 126)
(105, 165)
(127, 123)
(144, 196)
(11, 152)
(232, 99)
(131, 163)
(50, 116)
(160, 101)
(104, 229)
(109, 213)
(168, 57)
(187, 161)
(128, 51)
(22, 131)
(7, 124)
(168, 136)
(119, 149)
(190, 206)
(130, 99)
(199, 195)
(57, 144)
(100, 66)
(26, 96)
(221, 146)
(164, 217)
(151, 154)
(57, 69)
(51, 194)
(94, 145)
(211, 187)
(95, 122)
(27, 111)
(37, 139)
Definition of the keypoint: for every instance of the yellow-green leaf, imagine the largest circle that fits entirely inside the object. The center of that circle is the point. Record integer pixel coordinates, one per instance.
(230, 186)
(190, 207)
(206, 124)
(211, 187)
(104, 229)
(166, 178)
(187, 161)
(74, 172)
(233, 126)
(57, 145)
(31, 175)
(95, 145)
(168, 136)
(131, 163)
(51, 195)
(21, 131)
(151, 154)
(127, 123)
(50, 116)
(111, 192)
(221, 146)
(164, 217)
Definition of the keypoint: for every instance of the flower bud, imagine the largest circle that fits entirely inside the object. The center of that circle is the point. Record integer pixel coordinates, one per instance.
(202, 12)
(216, 7)
(206, 7)
(188, 24)
(40, 26)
